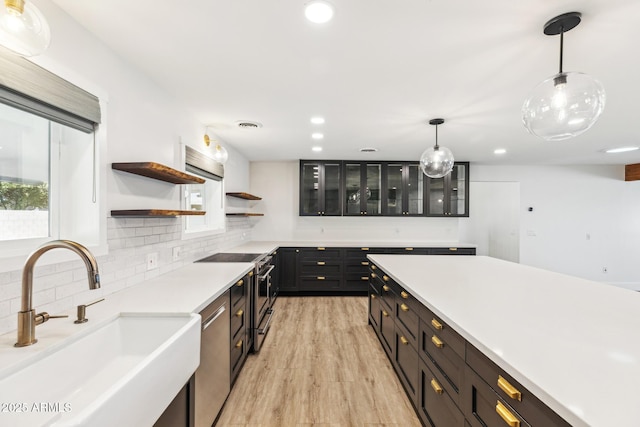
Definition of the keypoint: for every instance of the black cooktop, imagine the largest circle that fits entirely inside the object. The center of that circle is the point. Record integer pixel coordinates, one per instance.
(231, 257)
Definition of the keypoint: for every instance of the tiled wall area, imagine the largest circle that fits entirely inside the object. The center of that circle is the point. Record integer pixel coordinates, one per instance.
(60, 287)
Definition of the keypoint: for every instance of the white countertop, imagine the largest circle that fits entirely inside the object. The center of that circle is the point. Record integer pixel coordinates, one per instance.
(572, 342)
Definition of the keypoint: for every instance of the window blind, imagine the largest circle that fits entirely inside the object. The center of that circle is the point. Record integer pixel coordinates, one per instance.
(31, 88)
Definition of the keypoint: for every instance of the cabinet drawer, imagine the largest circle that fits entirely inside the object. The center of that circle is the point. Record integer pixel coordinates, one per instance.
(386, 294)
(239, 291)
(484, 408)
(454, 341)
(374, 308)
(238, 353)
(387, 331)
(320, 253)
(406, 251)
(359, 284)
(452, 366)
(321, 268)
(238, 321)
(406, 358)
(408, 316)
(357, 253)
(518, 397)
(452, 251)
(435, 405)
(319, 283)
(356, 267)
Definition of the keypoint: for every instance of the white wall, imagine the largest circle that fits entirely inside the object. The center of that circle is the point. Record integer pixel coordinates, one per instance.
(584, 218)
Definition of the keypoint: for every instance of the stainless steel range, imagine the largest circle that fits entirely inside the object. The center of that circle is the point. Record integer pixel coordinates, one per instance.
(263, 292)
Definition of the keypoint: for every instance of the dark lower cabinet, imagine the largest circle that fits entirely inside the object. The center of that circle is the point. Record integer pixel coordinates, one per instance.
(406, 360)
(180, 412)
(287, 277)
(435, 406)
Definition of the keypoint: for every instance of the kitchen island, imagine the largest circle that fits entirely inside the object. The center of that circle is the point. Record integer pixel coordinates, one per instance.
(571, 342)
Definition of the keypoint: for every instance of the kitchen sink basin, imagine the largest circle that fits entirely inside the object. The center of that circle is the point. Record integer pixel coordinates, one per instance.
(122, 372)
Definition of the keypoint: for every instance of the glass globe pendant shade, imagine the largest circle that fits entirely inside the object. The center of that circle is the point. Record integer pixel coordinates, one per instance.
(563, 106)
(436, 162)
(23, 28)
(220, 154)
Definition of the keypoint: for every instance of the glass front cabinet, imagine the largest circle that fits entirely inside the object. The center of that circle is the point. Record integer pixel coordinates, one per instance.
(354, 188)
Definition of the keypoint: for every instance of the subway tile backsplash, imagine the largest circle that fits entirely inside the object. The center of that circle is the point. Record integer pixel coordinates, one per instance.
(60, 287)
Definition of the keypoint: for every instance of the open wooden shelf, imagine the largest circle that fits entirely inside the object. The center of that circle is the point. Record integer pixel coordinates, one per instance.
(245, 196)
(245, 214)
(159, 172)
(159, 213)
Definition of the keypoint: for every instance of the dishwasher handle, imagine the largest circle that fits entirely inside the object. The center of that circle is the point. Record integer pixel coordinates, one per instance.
(265, 274)
(213, 317)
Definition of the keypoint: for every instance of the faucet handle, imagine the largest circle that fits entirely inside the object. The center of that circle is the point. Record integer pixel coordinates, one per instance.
(82, 311)
(44, 316)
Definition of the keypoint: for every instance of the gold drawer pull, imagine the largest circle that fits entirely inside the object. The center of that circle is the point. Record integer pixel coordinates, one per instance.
(364, 249)
(251, 274)
(321, 263)
(385, 278)
(436, 387)
(321, 249)
(384, 313)
(320, 277)
(364, 262)
(403, 340)
(239, 344)
(436, 324)
(404, 295)
(373, 267)
(240, 282)
(364, 278)
(511, 391)
(404, 307)
(453, 249)
(239, 313)
(374, 275)
(506, 415)
(437, 342)
(373, 296)
(408, 249)
(385, 288)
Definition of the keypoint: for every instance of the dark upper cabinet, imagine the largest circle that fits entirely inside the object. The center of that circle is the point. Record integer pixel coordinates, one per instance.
(403, 189)
(320, 188)
(449, 196)
(363, 182)
(354, 188)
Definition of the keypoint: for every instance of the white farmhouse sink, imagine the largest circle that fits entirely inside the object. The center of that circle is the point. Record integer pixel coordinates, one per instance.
(123, 372)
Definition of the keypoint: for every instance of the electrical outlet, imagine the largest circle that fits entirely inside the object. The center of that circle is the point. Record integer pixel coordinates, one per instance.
(177, 253)
(152, 261)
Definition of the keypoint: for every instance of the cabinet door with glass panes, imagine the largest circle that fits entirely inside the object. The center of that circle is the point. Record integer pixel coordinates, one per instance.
(449, 196)
(403, 189)
(362, 193)
(320, 188)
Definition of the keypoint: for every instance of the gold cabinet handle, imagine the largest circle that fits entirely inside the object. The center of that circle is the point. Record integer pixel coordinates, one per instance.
(373, 267)
(436, 387)
(511, 391)
(408, 249)
(364, 249)
(240, 282)
(437, 342)
(404, 295)
(239, 344)
(364, 263)
(373, 296)
(404, 307)
(320, 277)
(506, 415)
(251, 274)
(364, 278)
(403, 340)
(384, 313)
(453, 249)
(239, 313)
(385, 278)
(436, 324)
(321, 263)
(321, 249)
(385, 288)
(374, 275)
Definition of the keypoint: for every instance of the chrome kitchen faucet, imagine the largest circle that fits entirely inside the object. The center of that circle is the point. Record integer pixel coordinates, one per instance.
(27, 317)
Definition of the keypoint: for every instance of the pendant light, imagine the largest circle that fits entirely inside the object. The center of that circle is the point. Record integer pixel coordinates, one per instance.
(23, 28)
(568, 103)
(220, 153)
(436, 161)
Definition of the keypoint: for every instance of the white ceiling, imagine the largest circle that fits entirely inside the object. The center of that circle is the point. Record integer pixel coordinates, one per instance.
(379, 71)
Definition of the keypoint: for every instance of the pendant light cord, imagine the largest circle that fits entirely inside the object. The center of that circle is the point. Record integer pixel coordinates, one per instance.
(561, 47)
(436, 147)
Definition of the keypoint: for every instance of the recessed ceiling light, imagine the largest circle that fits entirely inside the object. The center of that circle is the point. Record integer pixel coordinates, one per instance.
(317, 120)
(317, 135)
(316, 149)
(620, 150)
(499, 151)
(319, 11)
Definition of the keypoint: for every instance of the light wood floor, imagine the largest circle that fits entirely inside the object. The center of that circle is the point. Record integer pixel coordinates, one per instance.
(322, 365)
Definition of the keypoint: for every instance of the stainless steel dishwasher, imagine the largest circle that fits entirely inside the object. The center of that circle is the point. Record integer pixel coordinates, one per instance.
(213, 375)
